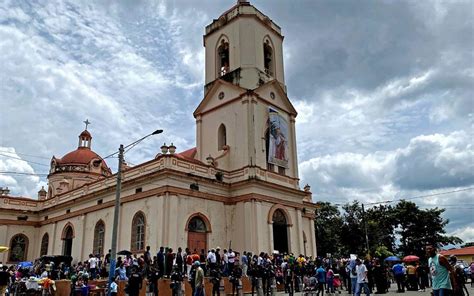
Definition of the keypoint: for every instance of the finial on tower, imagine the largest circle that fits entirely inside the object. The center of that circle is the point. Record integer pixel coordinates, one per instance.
(87, 122)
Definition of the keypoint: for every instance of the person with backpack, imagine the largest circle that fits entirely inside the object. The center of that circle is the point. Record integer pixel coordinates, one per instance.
(353, 276)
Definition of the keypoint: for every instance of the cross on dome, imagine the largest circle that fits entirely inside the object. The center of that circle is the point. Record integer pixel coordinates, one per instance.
(87, 122)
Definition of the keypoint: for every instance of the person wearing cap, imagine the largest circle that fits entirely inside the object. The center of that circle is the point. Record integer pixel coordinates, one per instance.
(199, 280)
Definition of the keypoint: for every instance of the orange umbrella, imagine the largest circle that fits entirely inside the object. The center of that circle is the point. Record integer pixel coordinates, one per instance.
(411, 258)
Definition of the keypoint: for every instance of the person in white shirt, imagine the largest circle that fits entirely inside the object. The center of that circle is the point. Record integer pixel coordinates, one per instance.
(362, 278)
(226, 263)
(113, 288)
(231, 258)
(93, 266)
(211, 259)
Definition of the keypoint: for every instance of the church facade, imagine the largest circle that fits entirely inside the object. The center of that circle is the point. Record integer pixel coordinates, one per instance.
(238, 188)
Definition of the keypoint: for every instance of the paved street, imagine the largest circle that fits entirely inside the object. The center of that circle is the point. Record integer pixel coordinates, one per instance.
(393, 289)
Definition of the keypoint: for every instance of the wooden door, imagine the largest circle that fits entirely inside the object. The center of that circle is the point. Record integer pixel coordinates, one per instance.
(198, 241)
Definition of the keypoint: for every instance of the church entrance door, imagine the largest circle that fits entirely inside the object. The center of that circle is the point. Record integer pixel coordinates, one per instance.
(197, 240)
(197, 235)
(280, 232)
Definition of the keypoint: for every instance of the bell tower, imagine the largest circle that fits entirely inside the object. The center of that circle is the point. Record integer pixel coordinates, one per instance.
(246, 121)
(244, 47)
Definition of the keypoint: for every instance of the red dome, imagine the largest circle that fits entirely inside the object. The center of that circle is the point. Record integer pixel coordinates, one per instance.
(82, 155)
(86, 134)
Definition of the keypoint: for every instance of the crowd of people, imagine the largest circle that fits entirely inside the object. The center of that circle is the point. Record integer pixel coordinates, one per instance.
(265, 271)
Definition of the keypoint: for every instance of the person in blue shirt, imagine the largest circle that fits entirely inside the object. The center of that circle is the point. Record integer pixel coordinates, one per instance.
(399, 273)
(321, 277)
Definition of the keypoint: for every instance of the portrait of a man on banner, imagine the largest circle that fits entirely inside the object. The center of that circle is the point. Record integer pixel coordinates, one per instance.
(278, 137)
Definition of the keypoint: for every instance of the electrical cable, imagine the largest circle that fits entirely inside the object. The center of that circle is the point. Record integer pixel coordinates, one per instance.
(25, 160)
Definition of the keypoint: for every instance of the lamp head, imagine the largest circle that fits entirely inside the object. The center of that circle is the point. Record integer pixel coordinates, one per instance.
(157, 132)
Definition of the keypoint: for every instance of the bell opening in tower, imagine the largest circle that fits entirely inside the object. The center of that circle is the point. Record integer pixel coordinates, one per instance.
(223, 56)
(268, 58)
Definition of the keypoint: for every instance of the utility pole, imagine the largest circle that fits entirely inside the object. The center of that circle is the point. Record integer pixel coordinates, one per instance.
(365, 229)
(113, 255)
(113, 251)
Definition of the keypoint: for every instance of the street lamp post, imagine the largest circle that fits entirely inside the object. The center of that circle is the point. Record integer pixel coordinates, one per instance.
(113, 255)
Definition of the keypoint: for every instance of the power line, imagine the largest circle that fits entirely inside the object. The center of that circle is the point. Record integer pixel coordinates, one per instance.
(25, 160)
(29, 155)
(22, 173)
(420, 196)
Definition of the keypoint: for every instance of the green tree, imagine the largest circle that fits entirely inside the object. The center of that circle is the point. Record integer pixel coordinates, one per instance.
(382, 252)
(418, 227)
(381, 222)
(328, 223)
(352, 231)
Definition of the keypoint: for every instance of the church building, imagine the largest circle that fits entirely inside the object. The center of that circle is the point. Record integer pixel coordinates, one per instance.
(238, 188)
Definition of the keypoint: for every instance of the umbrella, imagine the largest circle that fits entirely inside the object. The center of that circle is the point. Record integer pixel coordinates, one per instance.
(3, 249)
(392, 258)
(25, 264)
(124, 252)
(411, 258)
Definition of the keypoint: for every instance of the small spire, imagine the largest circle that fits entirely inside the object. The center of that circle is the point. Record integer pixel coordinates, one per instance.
(87, 122)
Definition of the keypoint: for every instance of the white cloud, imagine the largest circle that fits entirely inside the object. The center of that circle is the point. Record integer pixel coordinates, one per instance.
(465, 233)
(19, 184)
(365, 93)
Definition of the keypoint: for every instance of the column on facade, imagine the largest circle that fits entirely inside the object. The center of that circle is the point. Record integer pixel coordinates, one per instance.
(84, 230)
(160, 226)
(248, 224)
(4, 238)
(313, 239)
(173, 231)
(299, 231)
(293, 146)
(255, 226)
(270, 236)
(165, 220)
(198, 136)
(54, 238)
(251, 130)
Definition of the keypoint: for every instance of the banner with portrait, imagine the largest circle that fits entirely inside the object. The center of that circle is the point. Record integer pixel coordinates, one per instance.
(278, 139)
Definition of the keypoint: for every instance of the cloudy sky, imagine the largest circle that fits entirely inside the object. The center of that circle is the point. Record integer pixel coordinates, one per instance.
(383, 90)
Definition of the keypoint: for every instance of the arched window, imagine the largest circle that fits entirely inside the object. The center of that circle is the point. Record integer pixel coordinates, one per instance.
(138, 232)
(68, 236)
(279, 217)
(223, 58)
(196, 224)
(268, 58)
(99, 235)
(221, 137)
(44, 245)
(18, 248)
